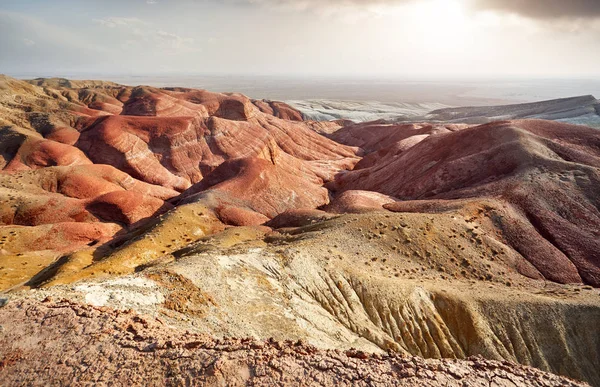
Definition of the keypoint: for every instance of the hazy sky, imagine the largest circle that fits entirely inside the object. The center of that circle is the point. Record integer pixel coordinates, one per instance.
(307, 37)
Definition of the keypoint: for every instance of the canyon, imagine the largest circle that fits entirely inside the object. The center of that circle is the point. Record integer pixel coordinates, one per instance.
(457, 246)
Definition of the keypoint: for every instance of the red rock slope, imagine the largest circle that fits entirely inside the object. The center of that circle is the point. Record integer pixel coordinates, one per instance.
(97, 152)
(541, 178)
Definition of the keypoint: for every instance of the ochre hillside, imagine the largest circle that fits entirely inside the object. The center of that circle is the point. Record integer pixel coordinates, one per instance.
(287, 249)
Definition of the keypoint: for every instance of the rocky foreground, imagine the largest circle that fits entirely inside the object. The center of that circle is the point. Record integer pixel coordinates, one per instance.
(223, 216)
(73, 344)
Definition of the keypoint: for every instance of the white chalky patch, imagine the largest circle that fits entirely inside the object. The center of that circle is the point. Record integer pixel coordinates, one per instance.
(124, 292)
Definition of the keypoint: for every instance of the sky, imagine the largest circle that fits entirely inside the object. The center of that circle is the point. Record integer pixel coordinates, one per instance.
(349, 38)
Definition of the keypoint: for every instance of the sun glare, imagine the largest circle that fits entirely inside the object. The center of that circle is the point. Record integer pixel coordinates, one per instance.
(442, 24)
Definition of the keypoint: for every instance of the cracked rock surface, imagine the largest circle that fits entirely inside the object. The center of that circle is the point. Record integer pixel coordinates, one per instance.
(69, 343)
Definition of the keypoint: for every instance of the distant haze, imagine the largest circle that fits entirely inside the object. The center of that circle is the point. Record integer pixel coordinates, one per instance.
(330, 38)
(452, 92)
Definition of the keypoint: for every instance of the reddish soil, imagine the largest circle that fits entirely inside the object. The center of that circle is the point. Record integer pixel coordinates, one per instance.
(68, 343)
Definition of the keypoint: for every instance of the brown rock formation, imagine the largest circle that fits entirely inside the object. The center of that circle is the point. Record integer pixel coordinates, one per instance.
(90, 345)
(437, 240)
(278, 109)
(359, 201)
(546, 173)
(90, 151)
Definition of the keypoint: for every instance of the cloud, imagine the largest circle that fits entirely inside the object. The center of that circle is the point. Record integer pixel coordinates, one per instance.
(350, 11)
(322, 4)
(113, 22)
(543, 9)
(28, 44)
(137, 32)
(175, 42)
(534, 9)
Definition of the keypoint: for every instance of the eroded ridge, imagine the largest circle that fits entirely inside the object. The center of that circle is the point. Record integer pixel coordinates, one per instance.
(84, 344)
